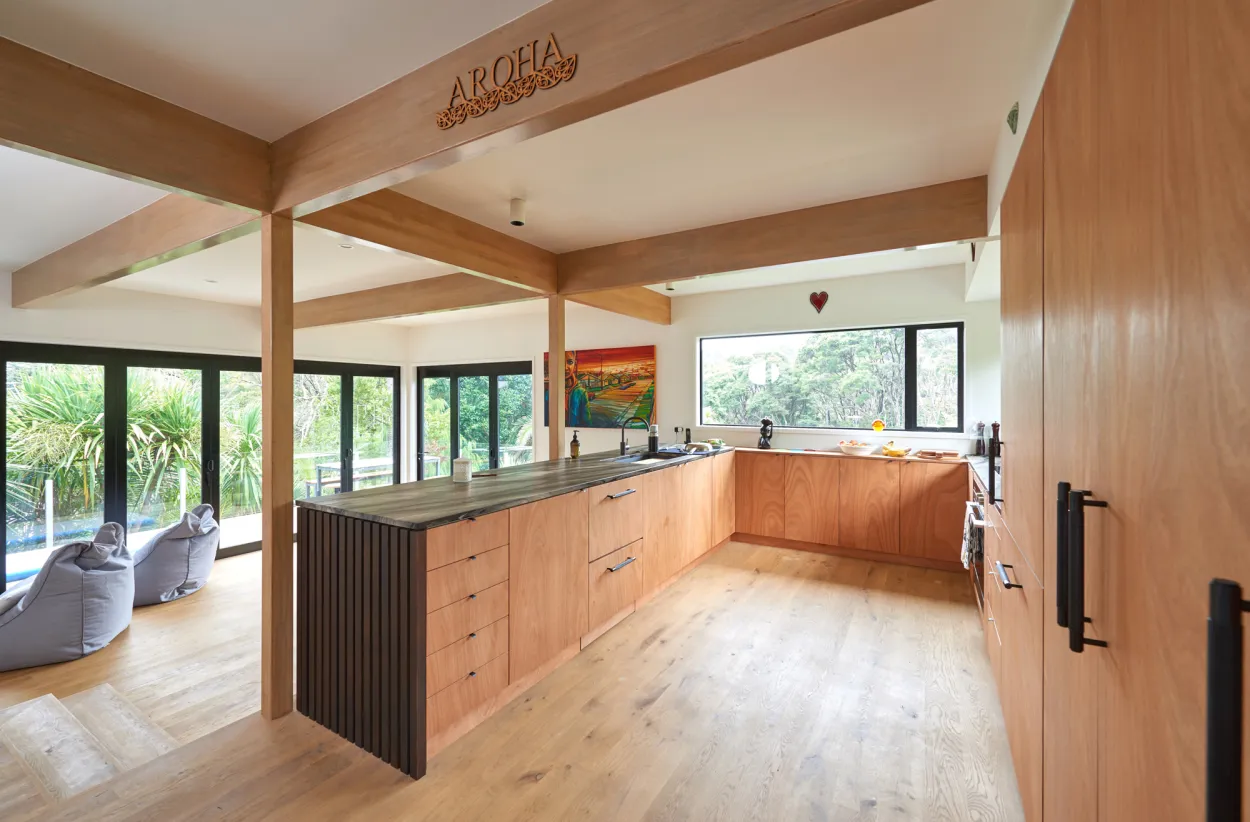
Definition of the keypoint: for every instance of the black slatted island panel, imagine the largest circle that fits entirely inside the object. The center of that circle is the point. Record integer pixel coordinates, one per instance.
(361, 632)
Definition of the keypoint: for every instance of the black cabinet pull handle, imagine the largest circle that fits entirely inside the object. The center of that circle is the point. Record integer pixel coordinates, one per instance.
(621, 565)
(1224, 696)
(472, 596)
(472, 556)
(624, 493)
(1061, 554)
(472, 674)
(473, 635)
(1077, 503)
(1004, 579)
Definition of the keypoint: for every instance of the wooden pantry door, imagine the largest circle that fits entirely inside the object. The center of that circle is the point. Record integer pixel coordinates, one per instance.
(1171, 374)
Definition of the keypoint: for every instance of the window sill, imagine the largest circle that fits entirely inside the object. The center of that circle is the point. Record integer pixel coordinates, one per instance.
(843, 433)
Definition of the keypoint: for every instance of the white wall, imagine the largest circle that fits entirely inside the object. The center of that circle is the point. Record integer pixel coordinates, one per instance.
(119, 318)
(1039, 39)
(931, 295)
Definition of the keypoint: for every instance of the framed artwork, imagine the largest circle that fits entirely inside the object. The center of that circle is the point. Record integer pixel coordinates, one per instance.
(603, 387)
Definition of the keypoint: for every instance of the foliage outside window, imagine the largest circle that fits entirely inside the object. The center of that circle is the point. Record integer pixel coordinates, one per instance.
(911, 377)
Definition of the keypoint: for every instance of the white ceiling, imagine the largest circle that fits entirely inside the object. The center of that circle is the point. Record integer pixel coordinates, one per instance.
(46, 204)
(911, 100)
(322, 268)
(264, 67)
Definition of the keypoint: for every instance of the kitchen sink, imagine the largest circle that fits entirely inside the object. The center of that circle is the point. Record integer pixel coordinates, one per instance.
(646, 458)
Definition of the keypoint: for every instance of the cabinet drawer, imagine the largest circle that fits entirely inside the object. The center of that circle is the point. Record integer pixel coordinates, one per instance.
(450, 543)
(993, 644)
(613, 591)
(617, 515)
(461, 618)
(450, 704)
(468, 576)
(469, 653)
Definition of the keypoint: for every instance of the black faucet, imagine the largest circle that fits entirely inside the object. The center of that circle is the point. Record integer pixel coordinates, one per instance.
(625, 445)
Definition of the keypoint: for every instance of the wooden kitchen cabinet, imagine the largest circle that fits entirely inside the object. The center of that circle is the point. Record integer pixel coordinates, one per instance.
(460, 540)
(932, 497)
(697, 510)
(547, 585)
(615, 582)
(724, 497)
(761, 494)
(663, 492)
(811, 494)
(868, 504)
(1018, 619)
(617, 514)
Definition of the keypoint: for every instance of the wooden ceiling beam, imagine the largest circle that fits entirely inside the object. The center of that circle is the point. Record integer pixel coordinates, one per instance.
(391, 220)
(627, 50)
(637, 302)
(445, 293)
(173, 226)
(54, 109)
(919, 216)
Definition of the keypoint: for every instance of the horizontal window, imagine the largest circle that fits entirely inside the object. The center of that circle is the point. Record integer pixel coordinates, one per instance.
(910, 377)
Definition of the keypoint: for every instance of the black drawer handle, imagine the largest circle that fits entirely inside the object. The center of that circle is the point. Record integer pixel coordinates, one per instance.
(1004, 579)
(1061, 554)
(621, 565)
(472, 596)
(624, 493)
(472, 674)
(1224, 696)
(473, 635)
(1077, 504)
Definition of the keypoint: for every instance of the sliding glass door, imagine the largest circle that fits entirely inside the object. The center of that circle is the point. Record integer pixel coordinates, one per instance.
(93, 435)
(482, 411)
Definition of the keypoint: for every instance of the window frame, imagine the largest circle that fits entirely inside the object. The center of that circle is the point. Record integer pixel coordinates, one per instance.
(116, 361)
(492, 371)
(909, 375)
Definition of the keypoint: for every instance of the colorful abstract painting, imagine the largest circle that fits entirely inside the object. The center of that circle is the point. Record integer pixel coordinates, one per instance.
(603, 387)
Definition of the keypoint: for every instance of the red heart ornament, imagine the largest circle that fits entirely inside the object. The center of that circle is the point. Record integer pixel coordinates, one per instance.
(818, 300)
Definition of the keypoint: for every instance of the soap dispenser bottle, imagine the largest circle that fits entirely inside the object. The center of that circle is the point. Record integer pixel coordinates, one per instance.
(653, 439)
(575, 447)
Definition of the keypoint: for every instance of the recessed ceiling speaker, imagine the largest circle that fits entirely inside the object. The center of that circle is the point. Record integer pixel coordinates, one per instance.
(517, 212)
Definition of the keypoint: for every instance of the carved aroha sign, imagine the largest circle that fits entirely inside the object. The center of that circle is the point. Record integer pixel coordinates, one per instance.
(509, 81)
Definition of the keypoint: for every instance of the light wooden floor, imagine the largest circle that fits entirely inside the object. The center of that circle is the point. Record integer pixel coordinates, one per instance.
(192, 666)
(768, 684)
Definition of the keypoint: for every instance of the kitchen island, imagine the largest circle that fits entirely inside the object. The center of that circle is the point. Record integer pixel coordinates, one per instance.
(424, 608)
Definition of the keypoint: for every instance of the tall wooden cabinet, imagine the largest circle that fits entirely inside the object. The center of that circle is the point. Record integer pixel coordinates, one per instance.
(1145, 370)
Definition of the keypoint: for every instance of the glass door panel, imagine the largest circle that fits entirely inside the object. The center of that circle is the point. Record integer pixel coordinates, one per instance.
(373, 432)
(241, 439)
(164, 421)
(435, 447)
(473, 426)
(54, 474)
(318, 435)
(516, 419)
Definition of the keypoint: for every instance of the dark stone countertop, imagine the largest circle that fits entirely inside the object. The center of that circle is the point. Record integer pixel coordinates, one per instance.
(434, 502)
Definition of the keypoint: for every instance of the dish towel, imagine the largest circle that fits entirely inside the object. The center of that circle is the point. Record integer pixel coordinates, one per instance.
(974, 539)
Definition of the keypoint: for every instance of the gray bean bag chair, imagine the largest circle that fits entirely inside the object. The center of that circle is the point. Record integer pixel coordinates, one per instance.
(177, 561)
(74, 606)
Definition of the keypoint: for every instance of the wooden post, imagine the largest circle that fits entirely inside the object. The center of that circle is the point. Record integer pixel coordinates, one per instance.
(277, 368)
(555, 375)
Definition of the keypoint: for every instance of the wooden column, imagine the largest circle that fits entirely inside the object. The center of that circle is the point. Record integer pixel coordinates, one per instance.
(555, 368)
(277, 352)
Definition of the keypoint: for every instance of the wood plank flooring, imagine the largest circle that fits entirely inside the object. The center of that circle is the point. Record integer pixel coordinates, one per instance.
(767, 684)
(191, 666)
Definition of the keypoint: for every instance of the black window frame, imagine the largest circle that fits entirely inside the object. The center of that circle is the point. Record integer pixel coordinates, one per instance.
(116, 361)
(491, 370)
(909, 375)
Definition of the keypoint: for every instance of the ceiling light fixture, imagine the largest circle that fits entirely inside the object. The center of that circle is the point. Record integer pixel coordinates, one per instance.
(516, 212)
(348, 246)
(669, 287)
